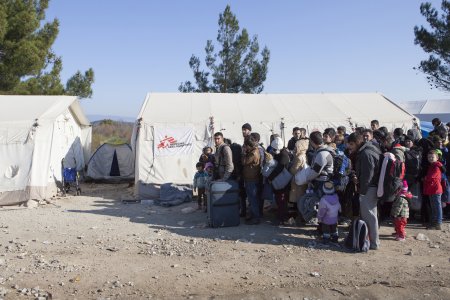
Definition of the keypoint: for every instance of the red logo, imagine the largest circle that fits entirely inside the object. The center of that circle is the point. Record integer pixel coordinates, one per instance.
(166, 142)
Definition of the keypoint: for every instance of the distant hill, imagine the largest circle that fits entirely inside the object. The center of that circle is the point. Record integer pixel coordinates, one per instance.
(110, 131)
(95, 118)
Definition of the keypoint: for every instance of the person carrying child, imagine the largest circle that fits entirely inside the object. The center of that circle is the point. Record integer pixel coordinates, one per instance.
(207, 156)
(327, 215)
(201, 179)
(400, 212)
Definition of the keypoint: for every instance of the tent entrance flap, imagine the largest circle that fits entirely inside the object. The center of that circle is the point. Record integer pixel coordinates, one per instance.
(115, 166)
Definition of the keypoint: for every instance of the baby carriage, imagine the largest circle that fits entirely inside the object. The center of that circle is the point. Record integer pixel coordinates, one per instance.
(70, 177)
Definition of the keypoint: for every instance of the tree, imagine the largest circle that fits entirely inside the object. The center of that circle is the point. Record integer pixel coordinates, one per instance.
(235, 68)
(28, 66)
(435, 41)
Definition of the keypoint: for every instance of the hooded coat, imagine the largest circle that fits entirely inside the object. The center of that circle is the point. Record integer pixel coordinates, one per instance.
(298, 163)
(329, 208)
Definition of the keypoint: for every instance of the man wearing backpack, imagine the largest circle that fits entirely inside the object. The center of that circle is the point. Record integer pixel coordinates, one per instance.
(322, 164)
(366, 177)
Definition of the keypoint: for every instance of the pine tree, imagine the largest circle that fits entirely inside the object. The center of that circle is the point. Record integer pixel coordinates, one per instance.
(28, 65)
(235, 68)
(435, 41)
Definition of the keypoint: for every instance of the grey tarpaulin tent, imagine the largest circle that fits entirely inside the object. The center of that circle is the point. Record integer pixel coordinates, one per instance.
(111, 163)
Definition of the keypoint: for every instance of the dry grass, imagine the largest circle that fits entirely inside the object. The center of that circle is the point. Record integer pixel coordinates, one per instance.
(112, 132)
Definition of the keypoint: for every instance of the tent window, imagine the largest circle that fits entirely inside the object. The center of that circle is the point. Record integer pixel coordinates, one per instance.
(11, 172)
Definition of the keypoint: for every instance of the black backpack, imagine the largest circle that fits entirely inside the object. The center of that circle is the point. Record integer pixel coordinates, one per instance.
(358, 236)
(413, 160)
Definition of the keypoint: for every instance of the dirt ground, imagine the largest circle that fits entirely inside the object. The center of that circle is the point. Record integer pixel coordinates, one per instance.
(95, 247)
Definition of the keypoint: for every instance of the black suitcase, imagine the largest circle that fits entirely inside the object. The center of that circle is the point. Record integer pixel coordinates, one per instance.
(223, 204)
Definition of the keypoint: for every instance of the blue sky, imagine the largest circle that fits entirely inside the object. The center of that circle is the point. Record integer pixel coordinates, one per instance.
(140, 46)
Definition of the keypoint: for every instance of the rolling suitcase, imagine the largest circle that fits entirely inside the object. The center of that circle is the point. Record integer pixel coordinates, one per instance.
(223, 204)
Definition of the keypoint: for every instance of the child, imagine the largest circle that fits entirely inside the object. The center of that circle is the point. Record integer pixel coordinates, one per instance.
(207, 156)
(327, 215)
(432, 187)
(400, 212)
(201, 179)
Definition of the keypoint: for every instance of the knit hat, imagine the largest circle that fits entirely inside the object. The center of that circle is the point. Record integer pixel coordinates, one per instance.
(247, 126)
(328, 188)
(277, 143)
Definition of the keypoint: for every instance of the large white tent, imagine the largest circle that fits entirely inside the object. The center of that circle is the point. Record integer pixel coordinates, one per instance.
(36, 134)
(172, 128)
(429, 109)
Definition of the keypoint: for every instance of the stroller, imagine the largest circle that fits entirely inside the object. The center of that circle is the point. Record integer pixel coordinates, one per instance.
(70, 177)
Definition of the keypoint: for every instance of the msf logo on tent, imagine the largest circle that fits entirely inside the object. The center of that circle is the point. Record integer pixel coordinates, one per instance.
(166, 142)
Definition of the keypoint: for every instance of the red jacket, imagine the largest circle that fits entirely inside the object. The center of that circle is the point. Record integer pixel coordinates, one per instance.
(432, 182)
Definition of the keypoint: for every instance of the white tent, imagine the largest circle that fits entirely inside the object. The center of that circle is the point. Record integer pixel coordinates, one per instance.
(429, 109)
(111, 163)
(36, 133)
(172, 128)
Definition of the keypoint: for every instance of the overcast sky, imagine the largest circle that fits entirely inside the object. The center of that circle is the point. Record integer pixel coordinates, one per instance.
(141, 46)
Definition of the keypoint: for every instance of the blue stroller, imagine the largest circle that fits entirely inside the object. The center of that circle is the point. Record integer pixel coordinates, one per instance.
(70, 177)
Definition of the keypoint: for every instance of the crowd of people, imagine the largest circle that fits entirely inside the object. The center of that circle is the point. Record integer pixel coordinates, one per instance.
(354, 175)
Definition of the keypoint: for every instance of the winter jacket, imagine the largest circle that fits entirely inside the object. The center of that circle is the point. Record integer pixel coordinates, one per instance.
(299, 156)
(432, 182)
(322, 165)
(298, 164)
(329, 208)
(224, 162)
(291, 143)
(251, 165)
(201, 180)
(367, 167)
(400, 207)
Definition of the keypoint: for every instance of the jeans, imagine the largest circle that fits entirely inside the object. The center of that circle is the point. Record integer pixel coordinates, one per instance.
(252, 188)
(436, 209)
(368, 208)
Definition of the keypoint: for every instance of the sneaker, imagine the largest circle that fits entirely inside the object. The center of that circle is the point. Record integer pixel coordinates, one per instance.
(335, 238)
(431, 227)
(253, 222)
(438, 227)
(400, 239)
(373, 247)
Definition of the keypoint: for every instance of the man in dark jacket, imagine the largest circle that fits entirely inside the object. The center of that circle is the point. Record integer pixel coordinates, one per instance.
(366, 178)
(297, 134)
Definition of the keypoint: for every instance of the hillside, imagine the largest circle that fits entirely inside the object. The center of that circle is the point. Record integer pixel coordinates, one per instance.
(109, 131)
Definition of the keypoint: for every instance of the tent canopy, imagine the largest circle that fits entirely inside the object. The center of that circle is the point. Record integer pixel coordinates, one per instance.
(327, 108)
(429, 109)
